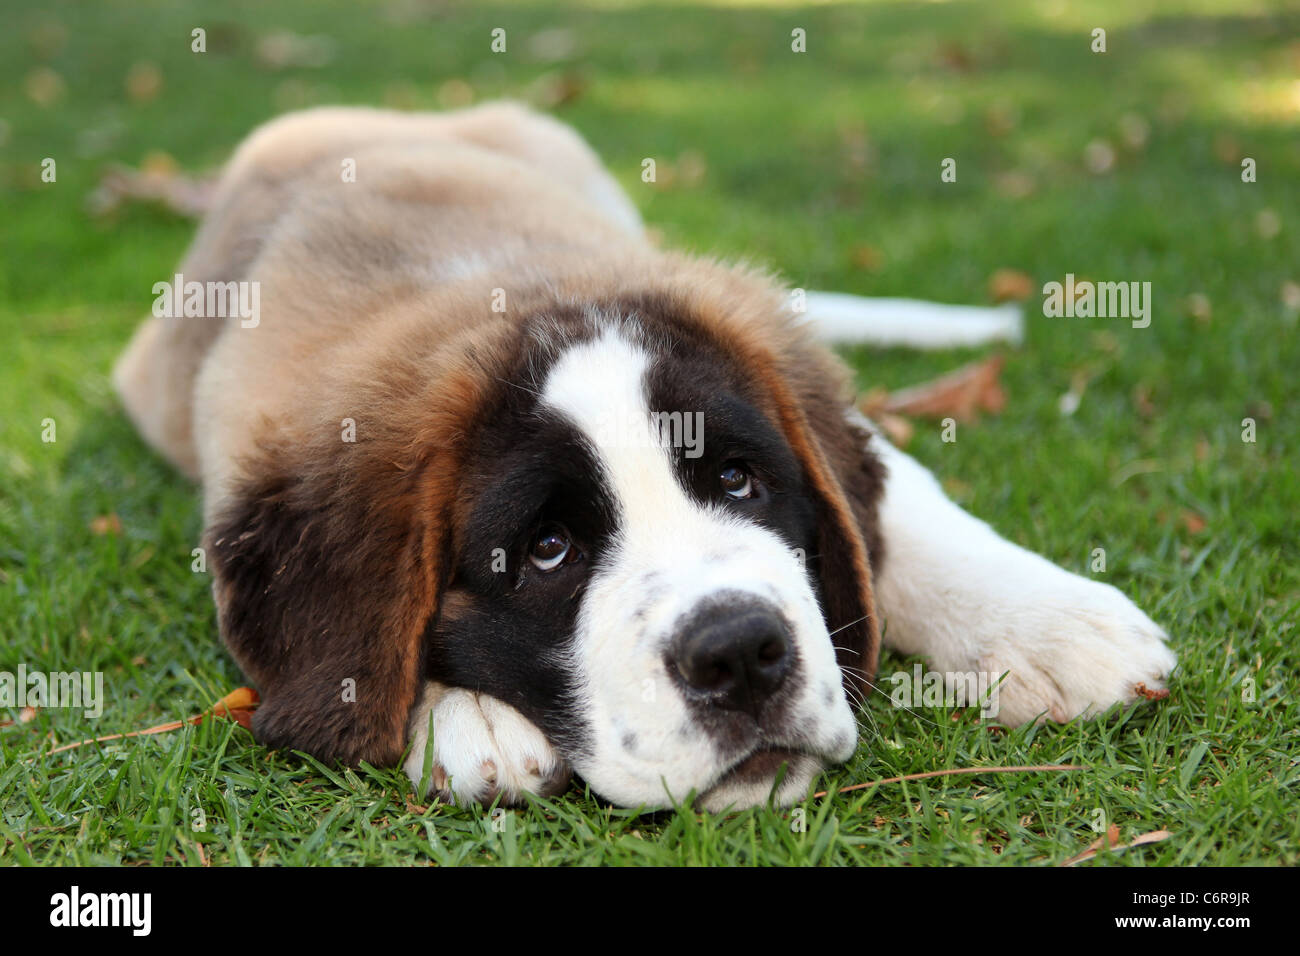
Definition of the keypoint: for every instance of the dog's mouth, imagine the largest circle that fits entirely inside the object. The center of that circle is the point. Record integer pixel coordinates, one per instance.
(761, 767)
(763, 764)
(761, 775)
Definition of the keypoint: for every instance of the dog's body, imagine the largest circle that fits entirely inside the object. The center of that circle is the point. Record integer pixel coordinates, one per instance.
(438, 496)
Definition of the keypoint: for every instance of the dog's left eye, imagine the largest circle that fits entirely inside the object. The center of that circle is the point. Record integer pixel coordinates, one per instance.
(551, 548)
(736, 480)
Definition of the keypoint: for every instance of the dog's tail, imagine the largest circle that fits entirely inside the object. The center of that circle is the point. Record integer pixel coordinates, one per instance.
(844, 319)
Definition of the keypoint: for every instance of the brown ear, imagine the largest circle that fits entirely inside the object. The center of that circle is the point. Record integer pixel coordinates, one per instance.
(846, 481)
(328, 563)
(322, 596)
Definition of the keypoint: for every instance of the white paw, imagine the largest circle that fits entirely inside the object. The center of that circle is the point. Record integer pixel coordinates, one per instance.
(481, 748)
(1072, 648)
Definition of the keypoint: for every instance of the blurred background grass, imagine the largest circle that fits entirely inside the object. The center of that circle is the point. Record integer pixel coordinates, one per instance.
(823, 165)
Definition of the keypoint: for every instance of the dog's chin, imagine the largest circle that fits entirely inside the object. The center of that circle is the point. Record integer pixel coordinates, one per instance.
(750, 782)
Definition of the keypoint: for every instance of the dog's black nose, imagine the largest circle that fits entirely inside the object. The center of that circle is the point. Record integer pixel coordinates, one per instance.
(736, 655)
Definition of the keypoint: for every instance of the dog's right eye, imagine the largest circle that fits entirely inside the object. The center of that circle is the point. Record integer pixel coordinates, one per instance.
(551, 547)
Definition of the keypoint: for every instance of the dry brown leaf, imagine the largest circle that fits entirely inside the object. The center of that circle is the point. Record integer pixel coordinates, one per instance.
(1151, 693)
(26, 715)
(1111, 842)
(106, 524)
(551, 90)
(43, 86)
(1227, 150)
(866, 257)
(144, 81)
(897, 428)
(1010, 285)
(962, 394)
(956, 57)
(455, 94)
(238, 706)
(1015, 184)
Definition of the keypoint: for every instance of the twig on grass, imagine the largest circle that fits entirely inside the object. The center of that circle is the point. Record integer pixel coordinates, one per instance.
(1035, 768)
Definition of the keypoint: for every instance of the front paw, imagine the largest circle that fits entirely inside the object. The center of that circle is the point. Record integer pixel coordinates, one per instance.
(1073, 650)
(482, 749)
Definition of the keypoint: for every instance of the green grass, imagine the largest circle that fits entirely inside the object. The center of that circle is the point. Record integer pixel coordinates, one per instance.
(807, 157)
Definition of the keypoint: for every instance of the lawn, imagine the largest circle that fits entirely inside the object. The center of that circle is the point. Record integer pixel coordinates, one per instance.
(1124, 165)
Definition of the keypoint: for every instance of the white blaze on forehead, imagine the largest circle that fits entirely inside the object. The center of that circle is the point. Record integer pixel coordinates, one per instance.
(600, 386)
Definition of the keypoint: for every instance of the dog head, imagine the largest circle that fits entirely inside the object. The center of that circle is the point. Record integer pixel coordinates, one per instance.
(642, 521)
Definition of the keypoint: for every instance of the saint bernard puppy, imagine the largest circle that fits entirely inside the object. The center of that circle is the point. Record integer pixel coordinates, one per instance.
(495, 487)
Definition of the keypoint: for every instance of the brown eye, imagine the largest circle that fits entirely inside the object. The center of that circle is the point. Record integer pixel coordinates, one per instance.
(736, 481)
(550, 548)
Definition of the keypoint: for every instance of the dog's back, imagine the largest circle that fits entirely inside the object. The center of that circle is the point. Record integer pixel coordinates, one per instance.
(342, 205)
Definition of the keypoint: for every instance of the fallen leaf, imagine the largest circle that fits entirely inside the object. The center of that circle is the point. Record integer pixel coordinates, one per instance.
(144, 81)
(897, 428)
(866, 257)
(106, 524)
(455, 94)
(956, 57)
(551, 90)
(1151, 693)
(1014, 184)
(1227, 150)
(1193, 522)
(1111, 842)
(238, 706)
(962, 394)
(26, 715)
(43, 86)
(1010, 285)
(1001, 118)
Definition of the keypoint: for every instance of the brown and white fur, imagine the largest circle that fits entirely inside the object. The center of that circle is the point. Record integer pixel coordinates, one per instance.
(482, 305)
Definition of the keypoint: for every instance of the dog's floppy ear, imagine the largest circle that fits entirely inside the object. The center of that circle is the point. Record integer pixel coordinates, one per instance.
(846, 481)
(322, 596)
(328, 560)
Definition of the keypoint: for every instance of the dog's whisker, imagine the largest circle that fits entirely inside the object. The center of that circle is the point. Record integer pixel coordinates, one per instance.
(848, 625)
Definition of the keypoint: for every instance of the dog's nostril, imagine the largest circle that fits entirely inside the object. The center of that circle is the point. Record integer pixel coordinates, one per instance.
(737, 657)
